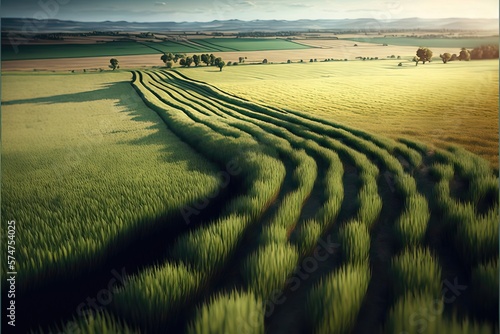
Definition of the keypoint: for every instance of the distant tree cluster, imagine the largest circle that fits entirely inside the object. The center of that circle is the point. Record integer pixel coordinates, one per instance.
(485, 52)
(267, 34)
(367, 58)
(187, 61)
(481, 52)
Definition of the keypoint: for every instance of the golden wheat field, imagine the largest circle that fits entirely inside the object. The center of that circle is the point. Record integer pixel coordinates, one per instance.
(453, 103)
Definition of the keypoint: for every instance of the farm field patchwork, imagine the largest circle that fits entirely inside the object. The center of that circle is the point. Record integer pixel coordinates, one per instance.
(123, 48)
(328, 211)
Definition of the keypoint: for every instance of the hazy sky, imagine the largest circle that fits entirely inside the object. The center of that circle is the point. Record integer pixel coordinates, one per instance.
(208, 10)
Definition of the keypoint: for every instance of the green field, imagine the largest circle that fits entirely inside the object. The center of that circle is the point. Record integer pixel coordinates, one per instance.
(344, 215)
(85, 167)
(455, 44)
(126, 48)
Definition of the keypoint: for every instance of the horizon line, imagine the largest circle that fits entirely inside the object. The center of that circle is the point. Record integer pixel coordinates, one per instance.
(254, 20)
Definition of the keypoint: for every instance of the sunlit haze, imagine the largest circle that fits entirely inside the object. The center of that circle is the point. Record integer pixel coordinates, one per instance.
(196, 10)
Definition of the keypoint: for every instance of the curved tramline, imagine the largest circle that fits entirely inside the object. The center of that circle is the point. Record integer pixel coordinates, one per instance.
(305, 180)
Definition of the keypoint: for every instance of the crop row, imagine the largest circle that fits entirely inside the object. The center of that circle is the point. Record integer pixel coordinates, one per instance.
(194, 93)
(475, 234)
(135, 300)
(370, 201)
(424, 313)
(277, 256)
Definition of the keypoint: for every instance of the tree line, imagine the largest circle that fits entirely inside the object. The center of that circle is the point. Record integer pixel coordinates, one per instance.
(186, 61)
(482, 52)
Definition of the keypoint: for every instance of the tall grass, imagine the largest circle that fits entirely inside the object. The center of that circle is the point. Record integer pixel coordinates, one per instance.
(477, 236)
(355, 242)
(234, 313)
(83, 184)
(485, 283)
(370, 203)
(411, 226)
(273, 234)
(266, 270)
(308, 235)
(157, 294)
(417, 270)
(415, 145)
(422, 312)
(100, 323)
(483, 182)
(208, 248)
(333, 304)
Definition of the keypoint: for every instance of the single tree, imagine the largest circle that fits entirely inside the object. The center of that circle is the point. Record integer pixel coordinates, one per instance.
(169, 64)
(464, 55)
(221, 64)
(264, 61)
(196, 60)
(241, 59)
(114, 63)
(288, 61)
(453, 57)
(212, 59)
(217, 61)
(182, 62)
(445, 57)
(424, 54)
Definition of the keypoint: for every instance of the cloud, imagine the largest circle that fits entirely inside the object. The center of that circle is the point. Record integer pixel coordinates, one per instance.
(362, 10)
(160, 3)
(300, 5)
(245, 3)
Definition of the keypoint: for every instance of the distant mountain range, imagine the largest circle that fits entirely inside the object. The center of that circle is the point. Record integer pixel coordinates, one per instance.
(363, 24)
